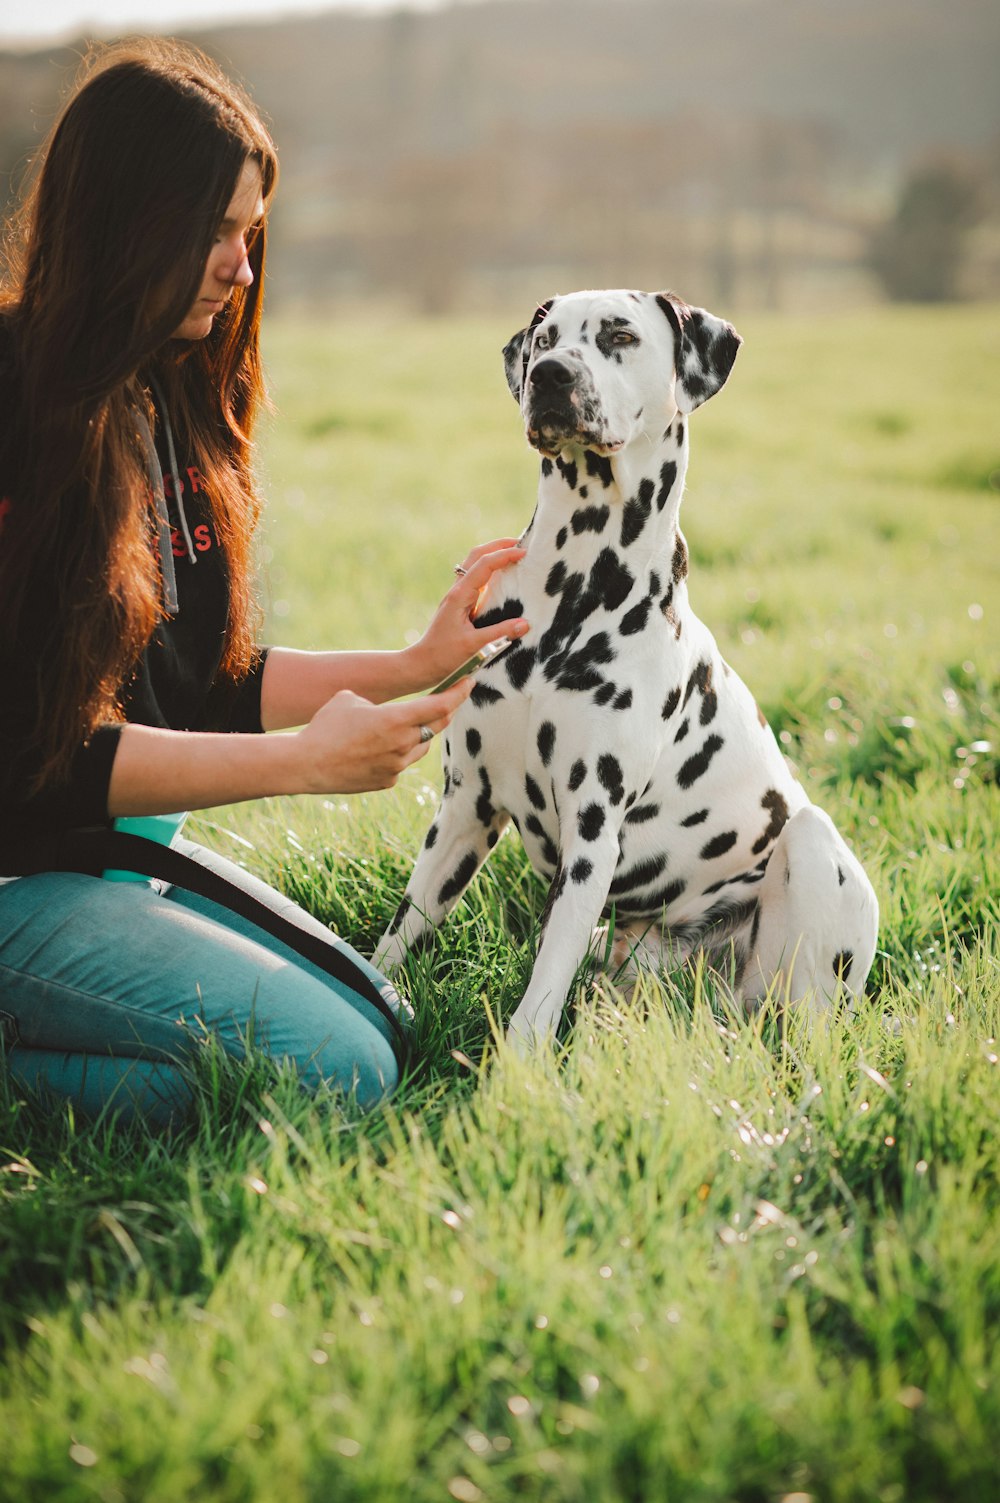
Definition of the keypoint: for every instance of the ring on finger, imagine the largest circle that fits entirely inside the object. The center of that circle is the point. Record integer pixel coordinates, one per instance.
(460, 571)
(426, 734)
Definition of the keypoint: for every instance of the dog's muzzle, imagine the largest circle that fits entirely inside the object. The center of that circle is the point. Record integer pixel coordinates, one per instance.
(561, 408)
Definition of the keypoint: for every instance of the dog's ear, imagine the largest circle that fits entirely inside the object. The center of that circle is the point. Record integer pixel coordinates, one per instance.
(515, 351)
(706, 349)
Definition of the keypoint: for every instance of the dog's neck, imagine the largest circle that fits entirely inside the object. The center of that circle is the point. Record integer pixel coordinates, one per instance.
(629, 501)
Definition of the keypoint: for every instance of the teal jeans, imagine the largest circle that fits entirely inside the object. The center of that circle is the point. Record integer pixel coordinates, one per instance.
(105, 987)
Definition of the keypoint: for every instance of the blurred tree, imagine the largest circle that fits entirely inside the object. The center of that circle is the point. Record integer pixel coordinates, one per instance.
(917, 256)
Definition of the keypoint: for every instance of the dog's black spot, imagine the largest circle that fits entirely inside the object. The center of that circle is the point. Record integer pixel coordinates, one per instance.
(460, 878)
(431, 837)
(670, 704)
(546, 468)
(679, 562)
(777, 809)
(520, 661)
(590, 518)
(672, 619)
(668, 477)
(492, 839)
(561, 537)
(577, 773)
(641, 813)
(556, 579)
(610, 581)
(682, 730)
(401, 912)
(605, 339)
(548, 852)
(718, 845)
(667, 602)
(584, 493)
(697, 818)
(755, 927)
(577, 669)
(599, 466)
(635, 619)
(638, 876)
(654, 585)
(695, 384)
(581, 869)
(624, 700)
(511, 607)
(637, 513)
(591, 821)
(655, 901)
(696, 766)
(484, 803)
(555, 893)
(609, 775)
(546, 741)
(485, 694)
(680, 431)
(841, 879)
(535, 794)
(608, 585)
(701, 678)
(604, 693)
(568, 471)
(473, 742)
(842, 964)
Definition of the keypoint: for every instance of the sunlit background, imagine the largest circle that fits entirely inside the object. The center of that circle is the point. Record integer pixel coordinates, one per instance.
(452, 156)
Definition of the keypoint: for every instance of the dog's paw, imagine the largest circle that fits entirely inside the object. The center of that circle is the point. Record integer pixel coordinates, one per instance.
(526, 1037)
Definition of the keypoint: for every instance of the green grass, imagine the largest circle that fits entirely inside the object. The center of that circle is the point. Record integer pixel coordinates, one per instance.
(693, 1257)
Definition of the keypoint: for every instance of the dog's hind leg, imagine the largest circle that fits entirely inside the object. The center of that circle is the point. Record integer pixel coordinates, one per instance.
(818, 925)
(456, 845)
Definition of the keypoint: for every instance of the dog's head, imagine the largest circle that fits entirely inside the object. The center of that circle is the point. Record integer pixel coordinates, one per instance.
(594, 369)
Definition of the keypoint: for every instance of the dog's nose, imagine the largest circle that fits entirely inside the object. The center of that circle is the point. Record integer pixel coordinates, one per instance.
(551, 375)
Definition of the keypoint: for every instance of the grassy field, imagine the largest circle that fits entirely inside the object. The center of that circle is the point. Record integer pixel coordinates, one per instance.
(693, 1257)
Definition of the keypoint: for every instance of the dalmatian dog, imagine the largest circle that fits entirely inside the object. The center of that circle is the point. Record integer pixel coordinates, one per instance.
(642, 778)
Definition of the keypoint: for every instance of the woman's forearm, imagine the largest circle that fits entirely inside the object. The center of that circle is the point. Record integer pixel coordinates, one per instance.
(296, 684)
(348, 746)
(160, 772)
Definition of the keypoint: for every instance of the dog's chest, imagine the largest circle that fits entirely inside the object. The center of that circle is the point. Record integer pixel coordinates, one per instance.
(617, 715)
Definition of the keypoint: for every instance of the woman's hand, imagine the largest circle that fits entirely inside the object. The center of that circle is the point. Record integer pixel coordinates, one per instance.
(452, 637)
(354, 746)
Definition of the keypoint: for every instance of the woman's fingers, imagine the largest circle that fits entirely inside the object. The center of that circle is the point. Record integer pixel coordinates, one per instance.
(481, 549)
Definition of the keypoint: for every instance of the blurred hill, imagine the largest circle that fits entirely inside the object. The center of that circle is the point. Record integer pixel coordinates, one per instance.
(745, 151)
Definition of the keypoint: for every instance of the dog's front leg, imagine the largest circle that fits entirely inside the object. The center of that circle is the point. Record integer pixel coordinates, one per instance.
(576, 898)
(455, 847)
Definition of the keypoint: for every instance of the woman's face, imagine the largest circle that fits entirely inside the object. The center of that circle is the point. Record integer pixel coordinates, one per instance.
(227, 266)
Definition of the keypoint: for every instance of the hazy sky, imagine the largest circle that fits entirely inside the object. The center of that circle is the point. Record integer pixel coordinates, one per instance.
(51, 20)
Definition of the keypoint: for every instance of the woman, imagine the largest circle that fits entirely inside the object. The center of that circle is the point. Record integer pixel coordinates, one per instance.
(130, 680)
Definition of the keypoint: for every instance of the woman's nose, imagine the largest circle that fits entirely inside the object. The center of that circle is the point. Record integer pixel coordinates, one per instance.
(241, 274)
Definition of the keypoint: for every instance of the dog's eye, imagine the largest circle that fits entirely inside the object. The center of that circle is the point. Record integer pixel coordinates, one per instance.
(542, 340)
(624, 336)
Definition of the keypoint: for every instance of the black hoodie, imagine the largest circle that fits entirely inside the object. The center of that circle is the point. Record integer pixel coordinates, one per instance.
(176, 684)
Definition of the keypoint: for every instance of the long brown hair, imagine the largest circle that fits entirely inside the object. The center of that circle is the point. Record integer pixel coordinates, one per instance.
(104, 260)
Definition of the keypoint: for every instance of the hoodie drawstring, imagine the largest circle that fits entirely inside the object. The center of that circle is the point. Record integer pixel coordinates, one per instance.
(167, 570)
(174, 472)
(155, 480)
